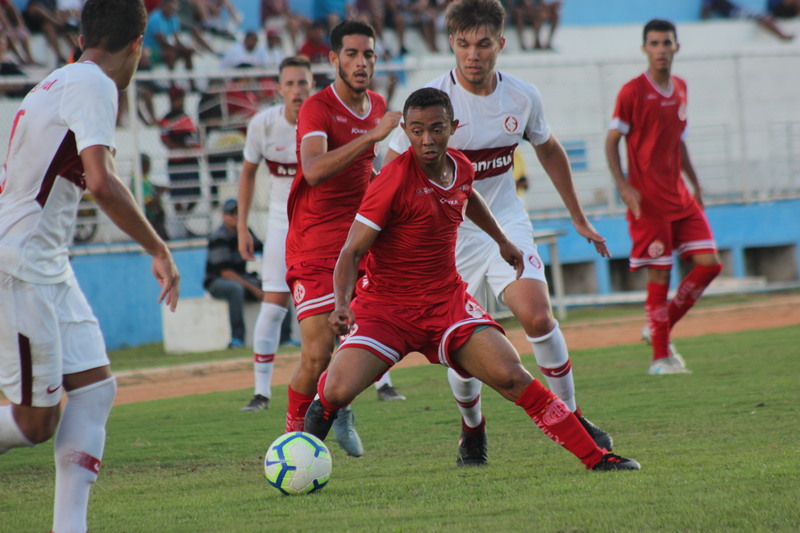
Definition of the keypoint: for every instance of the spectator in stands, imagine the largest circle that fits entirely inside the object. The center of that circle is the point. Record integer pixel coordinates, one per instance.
(12, 25)
(161, 38)
(42, 16)
(226, 272)
(545, 12)
(519, 12)
(275, 52)
(332, 12)
(276, 14)
(783, 9)
(727, 9)
(425, 14)
(219, 17)
(316, 51)
(151, 195)
(388, 13)
(248, 51)
(179, 134)
(9, 68)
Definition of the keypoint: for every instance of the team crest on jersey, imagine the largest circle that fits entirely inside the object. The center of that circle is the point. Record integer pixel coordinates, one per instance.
(299, 292)
(338, 118)
(425, 190)
(474, 309)
(511, 124)
(535, 261)
(656, 249)
(557, 411)
(682, 112)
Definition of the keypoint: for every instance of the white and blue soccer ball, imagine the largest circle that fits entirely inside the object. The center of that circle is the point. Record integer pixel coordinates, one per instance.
(298, 463)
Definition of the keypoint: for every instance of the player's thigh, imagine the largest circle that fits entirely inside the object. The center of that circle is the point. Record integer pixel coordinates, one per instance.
(352, 370)
(489, 356)
(317, 338)
(31, 366)
(692, 236)
(273, 268)
(529, 300)
(82, 340)
(501, 275)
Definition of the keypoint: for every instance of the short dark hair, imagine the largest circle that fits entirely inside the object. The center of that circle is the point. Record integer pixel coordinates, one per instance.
(349, 27)
(294, 61)
(469, 15)
(429, 97)
(659, 25)
(111, 25)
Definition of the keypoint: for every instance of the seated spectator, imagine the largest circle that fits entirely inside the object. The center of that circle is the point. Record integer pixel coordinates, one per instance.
(316, 50)
(226, 275)
(380, 14)
(545, 12)
(332, 12)
(42, 16)
(9, 68)
(274, 50)
(276, 14)
(219, 17)
(783, 9)
(179, 134)
(153, 207)
(161, 39)
(248, 51)
(425, 14)
(12, 25)
(727, 9)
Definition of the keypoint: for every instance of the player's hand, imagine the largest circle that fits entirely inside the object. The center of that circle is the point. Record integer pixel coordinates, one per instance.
(246, 246)
(387, 125)
(632, 199)
(341, 320)
(585, 228)
(512, 255)
(168, 278)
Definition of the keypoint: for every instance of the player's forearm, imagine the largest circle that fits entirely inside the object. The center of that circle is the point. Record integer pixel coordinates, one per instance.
(345, 275)
(615, 161)
(555, 163)
(478, 212)
(320, 168)
(247, 187)
(688, 168)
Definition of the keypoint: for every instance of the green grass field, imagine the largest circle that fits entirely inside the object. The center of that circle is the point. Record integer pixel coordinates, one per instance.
(719, 452)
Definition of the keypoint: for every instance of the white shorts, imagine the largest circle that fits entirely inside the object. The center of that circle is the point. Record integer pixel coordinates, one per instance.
(46, 331)
(480, 264)
(273, 269)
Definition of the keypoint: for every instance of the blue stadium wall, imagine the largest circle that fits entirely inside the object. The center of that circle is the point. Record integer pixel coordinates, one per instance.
(123, 293)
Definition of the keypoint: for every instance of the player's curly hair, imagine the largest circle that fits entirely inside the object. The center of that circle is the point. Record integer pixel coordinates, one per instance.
(429, 97)
(111, 25)
(659, 25)
(349, 27)
(468, 15)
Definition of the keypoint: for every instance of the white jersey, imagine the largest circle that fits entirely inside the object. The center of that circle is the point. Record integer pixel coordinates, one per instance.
(489, 129)
(271, 138)
(42, 179)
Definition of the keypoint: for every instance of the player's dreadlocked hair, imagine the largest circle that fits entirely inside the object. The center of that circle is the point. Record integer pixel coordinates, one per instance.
(469, 15)
(429, 97)
(111, 25)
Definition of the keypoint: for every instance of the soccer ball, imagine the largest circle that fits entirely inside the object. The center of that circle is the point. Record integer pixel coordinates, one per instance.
(298, 463)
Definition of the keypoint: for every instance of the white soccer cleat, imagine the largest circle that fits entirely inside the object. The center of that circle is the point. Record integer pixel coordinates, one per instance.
(668, 365)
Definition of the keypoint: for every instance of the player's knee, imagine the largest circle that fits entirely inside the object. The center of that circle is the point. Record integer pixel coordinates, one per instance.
(42, 427)
(539, 323)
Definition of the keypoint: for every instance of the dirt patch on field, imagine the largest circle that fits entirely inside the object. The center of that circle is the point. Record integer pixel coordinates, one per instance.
(776, 311)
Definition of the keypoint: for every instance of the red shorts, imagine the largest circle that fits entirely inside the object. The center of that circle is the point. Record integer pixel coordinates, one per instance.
(654, 241)
(311, 283)
(390, 331)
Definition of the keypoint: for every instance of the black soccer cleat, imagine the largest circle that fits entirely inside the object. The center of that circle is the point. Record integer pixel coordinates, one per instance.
(611, 462)
(472, 449)
(600, 437)
(318, 421)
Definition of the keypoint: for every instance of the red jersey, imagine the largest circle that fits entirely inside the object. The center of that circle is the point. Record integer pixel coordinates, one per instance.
(412, 261)
(654, 124)
(320, 216)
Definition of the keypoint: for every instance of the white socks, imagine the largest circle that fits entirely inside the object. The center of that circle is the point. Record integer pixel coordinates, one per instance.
(10, 434)
(385, 380)
(266, 337)
(551, 355)
(79, 444)
(467, 392)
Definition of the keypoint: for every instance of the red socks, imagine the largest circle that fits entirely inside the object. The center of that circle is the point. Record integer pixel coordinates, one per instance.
(296, 411)
(690, 290)
(557, 422)
(655, 307)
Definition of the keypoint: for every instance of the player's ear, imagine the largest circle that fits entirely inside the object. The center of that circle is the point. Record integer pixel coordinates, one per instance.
(81, 41)
(333, 58)
(453, 126)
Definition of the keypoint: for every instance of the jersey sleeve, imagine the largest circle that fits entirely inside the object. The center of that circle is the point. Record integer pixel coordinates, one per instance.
(89, 109)
(623, 111)
(399, 142)
(314, 119)
(376, 207)
(256, 130)
(537, 130)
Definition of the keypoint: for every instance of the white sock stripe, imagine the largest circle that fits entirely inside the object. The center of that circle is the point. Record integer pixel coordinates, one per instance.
(92, 386)
(545, 336)
(368, 341)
